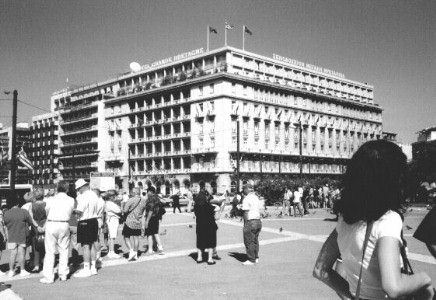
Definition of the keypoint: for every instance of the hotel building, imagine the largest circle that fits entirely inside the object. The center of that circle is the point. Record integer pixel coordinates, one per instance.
(175, 120)
(44, 149)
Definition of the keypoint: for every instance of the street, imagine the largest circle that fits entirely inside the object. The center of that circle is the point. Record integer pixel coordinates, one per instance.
(289, 247)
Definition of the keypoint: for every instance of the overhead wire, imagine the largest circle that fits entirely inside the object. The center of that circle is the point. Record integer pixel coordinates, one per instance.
(34, 106)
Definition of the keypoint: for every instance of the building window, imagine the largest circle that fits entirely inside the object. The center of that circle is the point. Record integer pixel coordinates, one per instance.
(212, 88)
(200, 90)
(233, 88)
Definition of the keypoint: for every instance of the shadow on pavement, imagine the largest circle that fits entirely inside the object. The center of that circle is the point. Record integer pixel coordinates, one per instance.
(238, 256)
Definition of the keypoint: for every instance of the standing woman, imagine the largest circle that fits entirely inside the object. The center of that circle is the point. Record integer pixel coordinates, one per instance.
(38, 214)
(152, 218)
(368, 236)
(206, 226)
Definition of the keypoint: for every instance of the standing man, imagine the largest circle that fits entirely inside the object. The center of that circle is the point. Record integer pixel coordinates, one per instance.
(251, 206)
(325, 195)
(298, 194)
(287, 202)
(87, 227)
(59, 209)
(176, 201)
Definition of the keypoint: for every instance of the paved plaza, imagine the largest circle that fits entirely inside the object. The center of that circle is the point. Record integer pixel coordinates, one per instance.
(289, 247)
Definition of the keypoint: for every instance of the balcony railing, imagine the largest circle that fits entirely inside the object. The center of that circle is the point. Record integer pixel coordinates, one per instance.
(80, 130)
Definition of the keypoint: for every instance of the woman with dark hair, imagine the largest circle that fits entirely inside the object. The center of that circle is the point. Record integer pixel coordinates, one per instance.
(368, 236)
(206, 226)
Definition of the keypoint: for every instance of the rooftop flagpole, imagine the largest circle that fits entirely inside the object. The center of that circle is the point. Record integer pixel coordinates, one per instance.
(208, 29)
(225, 34)
(243, 37)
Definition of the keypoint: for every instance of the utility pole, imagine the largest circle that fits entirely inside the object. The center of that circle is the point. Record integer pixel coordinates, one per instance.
(14, 141)
(238, 155)
(74, 168)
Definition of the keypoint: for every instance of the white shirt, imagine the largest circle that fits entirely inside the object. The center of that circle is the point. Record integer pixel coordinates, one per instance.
(112, 210)
(125, 198)
(297, 196)
(59, 207)
(87, 203)
(27, 206)
(350, 242)
(251, 203)
(100, 207)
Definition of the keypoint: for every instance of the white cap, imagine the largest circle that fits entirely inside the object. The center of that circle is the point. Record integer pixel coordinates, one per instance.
(79, 183)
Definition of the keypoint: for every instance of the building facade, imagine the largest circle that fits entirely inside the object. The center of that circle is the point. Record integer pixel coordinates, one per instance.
(44, 149)
(22, 137)
(176, 120)
(425, 144)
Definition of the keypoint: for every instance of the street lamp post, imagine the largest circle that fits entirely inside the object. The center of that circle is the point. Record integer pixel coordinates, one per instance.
(300, 128)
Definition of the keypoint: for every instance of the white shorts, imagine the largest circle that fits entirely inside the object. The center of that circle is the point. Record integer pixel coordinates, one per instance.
(112, 225)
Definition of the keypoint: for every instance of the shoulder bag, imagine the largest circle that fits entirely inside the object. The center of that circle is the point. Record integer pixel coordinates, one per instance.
(365, 244)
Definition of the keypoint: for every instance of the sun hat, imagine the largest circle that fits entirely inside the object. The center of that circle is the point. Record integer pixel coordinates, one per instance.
(79, 183)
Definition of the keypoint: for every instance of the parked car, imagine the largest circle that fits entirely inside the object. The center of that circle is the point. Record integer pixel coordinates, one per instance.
(168, 200)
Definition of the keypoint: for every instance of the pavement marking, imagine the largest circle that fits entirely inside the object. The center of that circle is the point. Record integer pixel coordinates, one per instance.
(172, 254)
(321, 238)
(291, 219)
(178, 224)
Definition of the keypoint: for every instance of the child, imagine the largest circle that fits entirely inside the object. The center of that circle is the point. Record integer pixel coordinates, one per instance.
(113, 212)
(17, 221)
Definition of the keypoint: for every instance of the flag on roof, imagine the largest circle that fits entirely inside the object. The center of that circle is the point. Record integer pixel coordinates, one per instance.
(22, 157)
(247, 31)
(229, 26)
(213, 30)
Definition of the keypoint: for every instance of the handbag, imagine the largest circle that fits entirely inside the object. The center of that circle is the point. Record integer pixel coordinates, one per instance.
(123, 216)
(365, 244)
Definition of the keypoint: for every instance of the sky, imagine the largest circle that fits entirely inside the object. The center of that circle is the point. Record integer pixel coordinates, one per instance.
(388, 44)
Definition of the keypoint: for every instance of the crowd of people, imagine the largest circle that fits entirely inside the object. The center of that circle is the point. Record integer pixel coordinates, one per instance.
(297, 201)
(72, 220)
(86, 220)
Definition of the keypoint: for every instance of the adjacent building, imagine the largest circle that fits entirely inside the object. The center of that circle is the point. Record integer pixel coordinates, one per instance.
(175, 121)
(425, 144)
(44, 149)
(22, 142)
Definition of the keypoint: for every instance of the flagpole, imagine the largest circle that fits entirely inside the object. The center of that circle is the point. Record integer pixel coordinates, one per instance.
(225, 35)
(243, 37)
(208, 30)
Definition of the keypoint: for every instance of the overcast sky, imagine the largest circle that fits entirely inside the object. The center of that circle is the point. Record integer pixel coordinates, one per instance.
(389, 44)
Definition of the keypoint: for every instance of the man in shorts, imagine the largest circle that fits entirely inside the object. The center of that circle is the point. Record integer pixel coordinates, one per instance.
(87, 227)
(17, 221)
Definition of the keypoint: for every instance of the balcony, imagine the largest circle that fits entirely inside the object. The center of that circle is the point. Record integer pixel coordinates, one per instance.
(79, 142)
(80, 130)
(79, 119)
(115, 158)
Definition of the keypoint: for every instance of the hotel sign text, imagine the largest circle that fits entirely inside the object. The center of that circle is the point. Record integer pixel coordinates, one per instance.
(307, 66)
(173, 58)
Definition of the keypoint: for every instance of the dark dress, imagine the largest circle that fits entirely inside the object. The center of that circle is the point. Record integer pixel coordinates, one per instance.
(205, 218)
(153, 205)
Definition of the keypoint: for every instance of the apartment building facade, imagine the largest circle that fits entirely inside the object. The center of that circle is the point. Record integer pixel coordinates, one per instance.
(44, 149)
(175, 120)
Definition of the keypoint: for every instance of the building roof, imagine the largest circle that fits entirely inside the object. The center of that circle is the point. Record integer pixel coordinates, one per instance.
(165, 63)
(427, 130)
